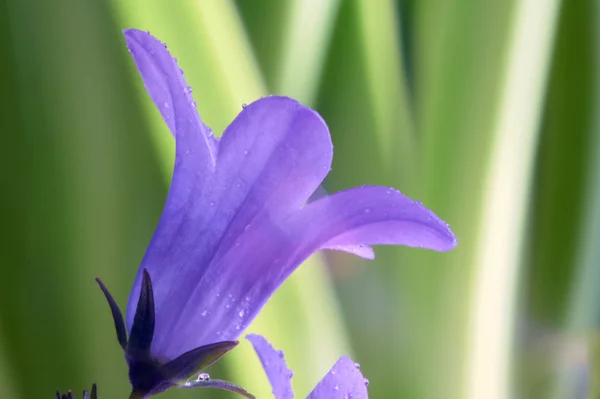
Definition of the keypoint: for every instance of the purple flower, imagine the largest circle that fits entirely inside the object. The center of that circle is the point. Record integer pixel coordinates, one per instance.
(343, 381)
(236, 222)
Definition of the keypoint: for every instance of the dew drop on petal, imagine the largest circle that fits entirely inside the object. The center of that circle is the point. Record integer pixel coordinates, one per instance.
(166, 105)
(367, 210)
(212, 203)
(247, 227)
(366, 381)
(337, 388)
(333, 372)
(244, 105)
(203, 377)
(241, 313)
(204, 312)
(280, 353)
(357, 366)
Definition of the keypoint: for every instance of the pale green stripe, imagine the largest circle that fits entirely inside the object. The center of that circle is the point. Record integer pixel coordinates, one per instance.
(379, 30)
(502, 226)
(308, 29)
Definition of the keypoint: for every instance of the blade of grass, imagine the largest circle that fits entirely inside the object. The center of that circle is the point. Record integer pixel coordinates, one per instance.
(583, 310)
(70, 113)
(503, 222)
(380, 43)
(291, 40)
(457, 55)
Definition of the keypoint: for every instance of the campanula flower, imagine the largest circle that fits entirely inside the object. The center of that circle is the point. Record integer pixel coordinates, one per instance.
(343, 381)
(236, 223)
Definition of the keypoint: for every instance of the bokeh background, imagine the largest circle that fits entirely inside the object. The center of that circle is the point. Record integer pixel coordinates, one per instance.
(487, 111)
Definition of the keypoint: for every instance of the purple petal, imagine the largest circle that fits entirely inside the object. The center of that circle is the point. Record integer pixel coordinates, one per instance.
(169, 91)
(370, 215)
(274, 364)
(343, 381)
(220, 249)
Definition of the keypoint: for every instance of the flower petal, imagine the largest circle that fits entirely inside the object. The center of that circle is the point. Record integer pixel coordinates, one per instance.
(344, 380)
(273, 156)
(214, 258)
(370, 215)
(274, 364)
(169, 91)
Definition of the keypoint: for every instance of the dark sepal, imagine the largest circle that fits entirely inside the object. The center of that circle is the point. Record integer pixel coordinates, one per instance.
(116, 314)
(69, 394)
(192, 362)
(142, 330)
(94, 394)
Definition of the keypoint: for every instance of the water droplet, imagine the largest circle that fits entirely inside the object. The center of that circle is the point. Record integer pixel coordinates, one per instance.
(166, 105)
(193, 103)
(366, 381)
(227, 306)
(367, 210)
(280, 354)
(333, 372)
(337, 388)
(246, 152)
(237, 327)
(357, 366)
(244, 105)
(290, 374)
(212, 203)
(204, 312)
(247, 227)
(247, 299)
(419, 203)
(241, 313)
(203, 377)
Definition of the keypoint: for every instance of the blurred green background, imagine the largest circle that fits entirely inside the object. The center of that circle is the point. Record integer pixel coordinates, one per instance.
(487, 111)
